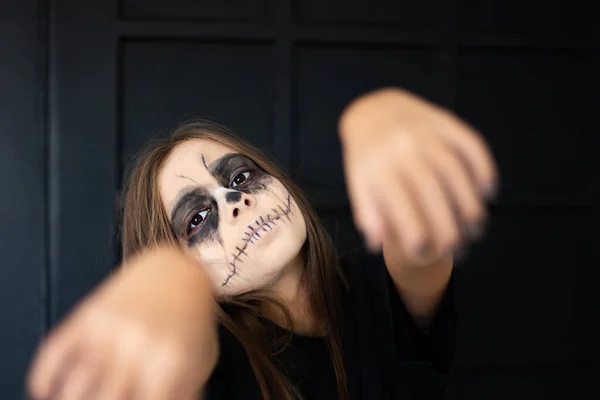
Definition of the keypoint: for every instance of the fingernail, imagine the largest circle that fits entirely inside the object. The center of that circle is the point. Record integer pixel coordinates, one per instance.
(372, 245)
(459, 254)
(490, 191)
(476, 231)
(423, 249)
(371, 236)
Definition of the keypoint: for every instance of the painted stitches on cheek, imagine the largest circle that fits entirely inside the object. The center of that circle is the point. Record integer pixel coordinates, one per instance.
(238, 172)
(195, 217)
(253, 234)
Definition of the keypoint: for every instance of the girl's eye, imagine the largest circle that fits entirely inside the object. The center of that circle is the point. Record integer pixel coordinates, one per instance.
(197, 220)
(240, 178)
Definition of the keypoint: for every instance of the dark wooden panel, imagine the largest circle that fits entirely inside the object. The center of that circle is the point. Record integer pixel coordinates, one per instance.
(517, 290)
(535, 110)
(526, 17)
(328, 78)
(22, 200)
(413, 14)
(167, 82)
(83, 123)
(238, 10)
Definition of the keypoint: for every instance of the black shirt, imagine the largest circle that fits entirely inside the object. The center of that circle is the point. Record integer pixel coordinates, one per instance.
(386, 355)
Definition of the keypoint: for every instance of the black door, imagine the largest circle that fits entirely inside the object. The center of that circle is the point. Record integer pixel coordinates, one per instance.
(279, 73)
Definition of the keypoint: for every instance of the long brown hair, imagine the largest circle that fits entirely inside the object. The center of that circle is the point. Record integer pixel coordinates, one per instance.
(145, 223)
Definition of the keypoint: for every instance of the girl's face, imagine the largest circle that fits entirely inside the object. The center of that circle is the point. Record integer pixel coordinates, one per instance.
(240, 222)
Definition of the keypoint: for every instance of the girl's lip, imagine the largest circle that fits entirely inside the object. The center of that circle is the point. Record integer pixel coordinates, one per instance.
(261, 225)
(268, 220)
(249, 237)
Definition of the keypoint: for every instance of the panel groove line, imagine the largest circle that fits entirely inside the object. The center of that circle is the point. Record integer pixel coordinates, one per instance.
(447, 56)
(282, 107)
(82, 123)
(23, 232)
(422, 15)
(156, 30)
(43, 62)
(251, 12)
(120, 158)
(342, 34)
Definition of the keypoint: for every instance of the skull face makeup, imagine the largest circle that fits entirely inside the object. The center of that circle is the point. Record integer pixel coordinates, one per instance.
(241, 222)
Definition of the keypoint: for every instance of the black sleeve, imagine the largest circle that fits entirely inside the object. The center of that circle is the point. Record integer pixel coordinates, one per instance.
(389, 314)
(232, 377)
(217, 385)
(437, 346)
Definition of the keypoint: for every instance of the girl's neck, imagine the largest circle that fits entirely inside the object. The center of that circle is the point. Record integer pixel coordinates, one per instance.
(292, 289)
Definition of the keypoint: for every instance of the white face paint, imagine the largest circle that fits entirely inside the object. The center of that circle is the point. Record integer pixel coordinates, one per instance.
(241, 222)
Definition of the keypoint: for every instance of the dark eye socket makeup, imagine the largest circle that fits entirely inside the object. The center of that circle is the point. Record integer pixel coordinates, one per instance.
(240, 178)
(228, 167)
(192, 226)
(195, 215)
(233, 171)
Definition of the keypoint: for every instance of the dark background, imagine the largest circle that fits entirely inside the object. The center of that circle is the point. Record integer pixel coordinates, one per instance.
(84, 83)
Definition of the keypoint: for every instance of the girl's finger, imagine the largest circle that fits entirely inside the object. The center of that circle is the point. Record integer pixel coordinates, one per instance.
(121, 368)
(455, 178)
(433, 203)
(400, 212)
(53, 358)
(77, 384)
(473, 150)
(162, 376)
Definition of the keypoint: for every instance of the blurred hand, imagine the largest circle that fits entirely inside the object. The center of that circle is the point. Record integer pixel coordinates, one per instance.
(416, 175)
(148, 332)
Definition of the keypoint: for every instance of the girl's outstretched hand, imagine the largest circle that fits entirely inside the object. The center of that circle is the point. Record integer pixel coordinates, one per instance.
(148, 332)
(417, 176)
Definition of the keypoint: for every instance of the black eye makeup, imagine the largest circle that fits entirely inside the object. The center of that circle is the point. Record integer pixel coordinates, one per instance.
(196, 221)
(240, 179)
(195, 217)
(236, 171)
(224, 168)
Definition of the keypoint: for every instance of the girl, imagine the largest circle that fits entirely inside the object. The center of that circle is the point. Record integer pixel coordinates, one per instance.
(230, 287)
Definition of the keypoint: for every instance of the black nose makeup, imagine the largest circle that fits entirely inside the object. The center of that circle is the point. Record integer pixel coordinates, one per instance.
(233, 197)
